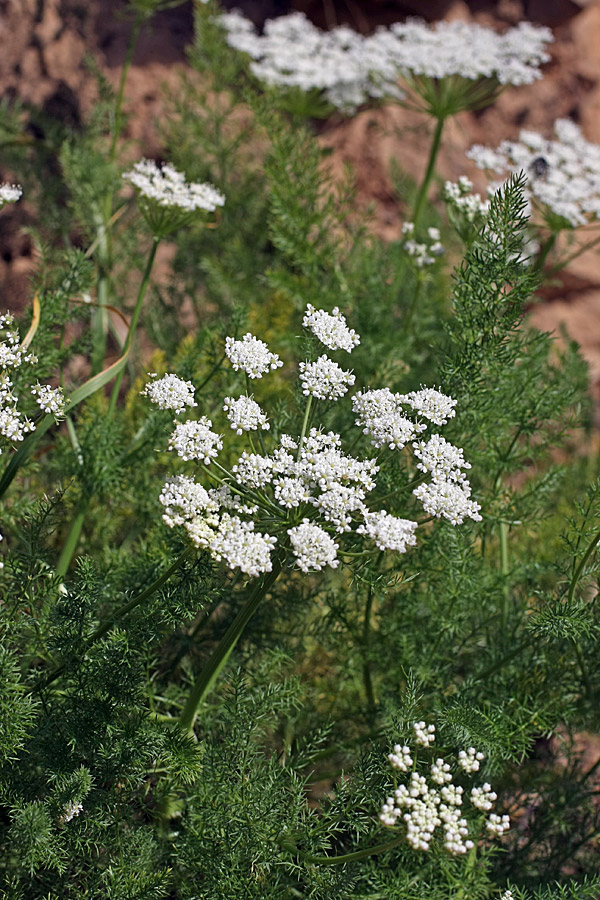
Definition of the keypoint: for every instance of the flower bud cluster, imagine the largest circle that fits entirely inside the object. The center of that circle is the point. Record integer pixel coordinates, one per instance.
(305, 490)
(70, 812)
(423, 807)
(14, 426)
(563, 175)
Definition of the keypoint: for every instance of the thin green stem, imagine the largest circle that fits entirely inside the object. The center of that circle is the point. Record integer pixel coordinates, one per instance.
(346, 857)
(545, 251)
(414, 302)
(304, 425)
(582, 564)
(134, 321)
(70, 545)
(424, 189)
(504, 569)
(122, 611)
(209, 674)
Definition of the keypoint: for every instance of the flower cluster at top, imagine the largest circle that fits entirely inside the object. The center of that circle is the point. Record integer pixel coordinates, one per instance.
(434, 801)
(305, 495)
(472, 207)
(563, 175)
(167, 187)
(350, 68)
(13, 424)
(9, 193)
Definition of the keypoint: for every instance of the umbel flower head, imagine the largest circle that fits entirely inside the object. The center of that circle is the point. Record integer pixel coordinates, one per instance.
(303, 493)
(563, 175)
(431, 803)
(349, 68)
(166, 200)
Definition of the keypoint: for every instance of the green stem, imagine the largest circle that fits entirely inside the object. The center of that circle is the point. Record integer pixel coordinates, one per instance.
(215, 664)
(346, 857)
(581, 566)
(134, 321)
(414, 302)
(304, 425)
(545, 251)
(70, 545)
(123, 610)
(424, 189)
(504, 569)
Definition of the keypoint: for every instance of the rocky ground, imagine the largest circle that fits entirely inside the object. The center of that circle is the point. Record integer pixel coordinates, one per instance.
(45, 43)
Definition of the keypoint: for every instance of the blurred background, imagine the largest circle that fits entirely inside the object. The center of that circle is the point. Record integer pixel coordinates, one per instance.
(45, 44)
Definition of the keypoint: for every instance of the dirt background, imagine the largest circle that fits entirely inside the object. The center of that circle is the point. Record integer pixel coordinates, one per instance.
(44, 43)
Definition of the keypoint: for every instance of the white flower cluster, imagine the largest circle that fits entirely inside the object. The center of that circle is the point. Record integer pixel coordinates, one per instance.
(50, 400)
(170, 392)
(166, 187)
(251, 355)
(306, 488)
(467, 50)
(350, 68)
(424, 734)
(195, 440)
(459, 198)
(291, 52)
(13, 424)
(423, 253)
(563, 175)
(469, 760)
(70, 812)
(10, 193)
(330, 328)
(423, 808)
(245, 414)
(324, 379)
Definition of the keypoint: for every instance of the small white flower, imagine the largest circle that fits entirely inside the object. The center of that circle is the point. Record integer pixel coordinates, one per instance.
(448, 499)
(170, 392)
(290, 492)
(245, 414)
(313, 548)
(167, 187)
(50, 400)
(251, 355)
(185, 500)
(241, 547)
(324, 379)
(195, 440)
(431, 404)
(388, 532)
(441, 458)
(10, 193)
(338, 503)
(381, 416)
(70, 812)
(330, 328)
(252, 470)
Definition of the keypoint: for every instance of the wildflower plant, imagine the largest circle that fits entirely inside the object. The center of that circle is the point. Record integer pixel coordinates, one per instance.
(249, 560)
